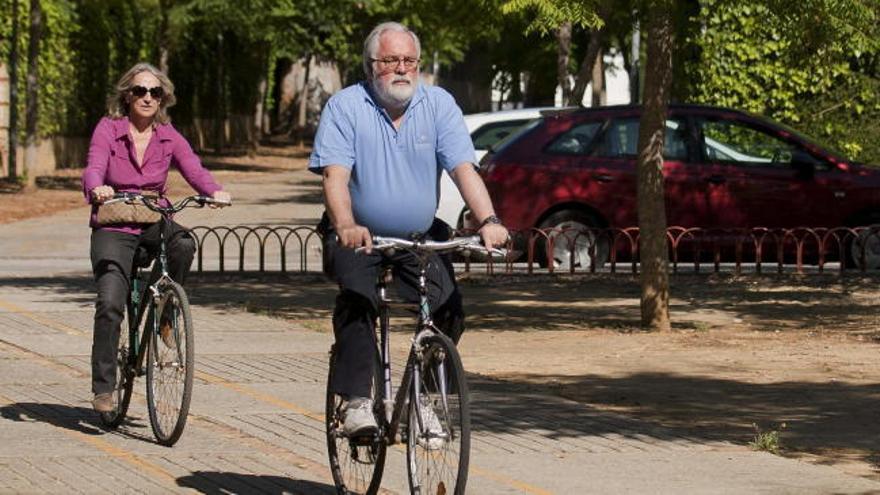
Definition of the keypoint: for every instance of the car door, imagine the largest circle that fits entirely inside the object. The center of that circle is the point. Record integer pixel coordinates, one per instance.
(607, 171)
(687, 204)
(614, 160)
(759, 177)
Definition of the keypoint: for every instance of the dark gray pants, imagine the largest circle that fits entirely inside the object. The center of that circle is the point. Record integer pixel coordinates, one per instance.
(354, 317)
(112, 256)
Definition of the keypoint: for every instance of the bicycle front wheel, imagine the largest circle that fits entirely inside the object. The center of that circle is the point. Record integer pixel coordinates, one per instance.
(124, 381)
(439, 421)
(356, 463)
(170, 365)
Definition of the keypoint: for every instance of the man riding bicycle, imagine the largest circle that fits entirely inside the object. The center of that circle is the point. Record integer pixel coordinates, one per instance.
(381, 146)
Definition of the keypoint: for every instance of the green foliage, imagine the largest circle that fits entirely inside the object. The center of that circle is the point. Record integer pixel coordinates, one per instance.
(548, 15)
(778, 61)
(55, 90)
(767, 441)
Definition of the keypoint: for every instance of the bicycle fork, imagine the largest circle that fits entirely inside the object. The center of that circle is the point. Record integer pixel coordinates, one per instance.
(384, 323)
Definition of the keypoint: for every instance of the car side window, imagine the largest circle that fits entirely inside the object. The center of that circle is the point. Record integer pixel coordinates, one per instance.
(576, 141)
(735, 142)
(675, 144)
(489, 134)
(622, 140)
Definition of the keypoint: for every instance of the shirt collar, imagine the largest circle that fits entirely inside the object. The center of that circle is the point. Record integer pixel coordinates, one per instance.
(120, 127)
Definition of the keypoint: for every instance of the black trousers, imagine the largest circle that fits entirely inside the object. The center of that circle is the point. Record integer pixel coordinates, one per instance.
(354, 317)
(112, 256)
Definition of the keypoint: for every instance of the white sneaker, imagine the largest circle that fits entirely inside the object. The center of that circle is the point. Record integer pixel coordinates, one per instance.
(358, 417)
(431, 438)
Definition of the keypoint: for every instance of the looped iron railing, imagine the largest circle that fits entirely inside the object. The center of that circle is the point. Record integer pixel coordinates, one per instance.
(574, 250)
(281, 240)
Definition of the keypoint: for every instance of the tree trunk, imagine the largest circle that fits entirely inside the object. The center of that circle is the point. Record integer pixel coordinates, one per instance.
(257, 124)
(31, 94)
(651, 205)
(563, 53)
(13, 95)
(220, 113)
(303, 101)
(594, 48)
(164, 35)
(634, 68)
(598, 81)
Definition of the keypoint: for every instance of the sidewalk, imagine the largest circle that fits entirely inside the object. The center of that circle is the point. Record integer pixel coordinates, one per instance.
(256, 422)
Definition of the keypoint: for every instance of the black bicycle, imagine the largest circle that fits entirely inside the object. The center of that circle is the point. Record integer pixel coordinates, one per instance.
(163, 349)
(430, 411)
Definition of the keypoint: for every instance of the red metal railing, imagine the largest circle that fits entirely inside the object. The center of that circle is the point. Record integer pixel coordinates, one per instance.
(613, 250)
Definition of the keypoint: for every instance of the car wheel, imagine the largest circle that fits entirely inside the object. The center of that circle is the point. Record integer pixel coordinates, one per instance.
(868, 240)
(572, 229)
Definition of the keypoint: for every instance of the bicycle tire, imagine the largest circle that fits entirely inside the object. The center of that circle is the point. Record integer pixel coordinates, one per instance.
(124, 382)
(437, 461)
(170, 368)
(356, 468)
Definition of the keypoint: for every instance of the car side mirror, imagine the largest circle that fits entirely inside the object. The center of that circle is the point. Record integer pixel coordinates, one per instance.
(803, 163)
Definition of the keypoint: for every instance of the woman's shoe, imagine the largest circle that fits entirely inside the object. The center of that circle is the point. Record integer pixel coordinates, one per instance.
(103, 403)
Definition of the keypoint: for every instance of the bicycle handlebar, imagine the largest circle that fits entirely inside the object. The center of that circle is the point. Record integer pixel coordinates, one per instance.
(151, 201)
(473, 242)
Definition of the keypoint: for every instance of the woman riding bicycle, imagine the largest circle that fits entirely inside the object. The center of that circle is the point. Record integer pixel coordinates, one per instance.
(132, 149)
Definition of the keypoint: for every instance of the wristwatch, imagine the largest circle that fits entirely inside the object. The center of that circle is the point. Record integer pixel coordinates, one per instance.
(490, 219)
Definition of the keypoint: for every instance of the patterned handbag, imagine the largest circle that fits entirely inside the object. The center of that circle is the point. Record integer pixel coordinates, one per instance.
(121, 212)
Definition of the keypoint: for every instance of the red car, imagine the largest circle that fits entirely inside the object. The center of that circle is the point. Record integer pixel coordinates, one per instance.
(723, 169)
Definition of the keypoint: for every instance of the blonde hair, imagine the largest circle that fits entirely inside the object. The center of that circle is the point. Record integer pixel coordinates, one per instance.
(118, 107)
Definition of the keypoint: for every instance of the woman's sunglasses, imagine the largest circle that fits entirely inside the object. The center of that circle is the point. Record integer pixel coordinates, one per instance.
(140, 91)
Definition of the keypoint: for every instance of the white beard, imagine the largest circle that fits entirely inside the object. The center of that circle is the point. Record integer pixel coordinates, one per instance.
(395, 96)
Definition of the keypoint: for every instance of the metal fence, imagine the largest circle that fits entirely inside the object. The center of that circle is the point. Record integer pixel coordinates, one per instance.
(801, 250)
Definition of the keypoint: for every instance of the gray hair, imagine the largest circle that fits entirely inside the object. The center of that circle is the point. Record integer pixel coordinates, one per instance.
(371, 44)
(118, 107)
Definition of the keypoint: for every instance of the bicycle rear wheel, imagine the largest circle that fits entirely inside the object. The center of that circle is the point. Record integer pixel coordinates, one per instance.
(124, 381)
(439, 424)
(170, 365)
(356, 463)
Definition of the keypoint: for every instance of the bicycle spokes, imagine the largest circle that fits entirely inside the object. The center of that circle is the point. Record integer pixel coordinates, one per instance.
(357, 462)
(438, 442)
(169, 364)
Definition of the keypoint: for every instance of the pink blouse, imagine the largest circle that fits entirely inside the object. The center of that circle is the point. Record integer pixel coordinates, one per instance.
(112, 162)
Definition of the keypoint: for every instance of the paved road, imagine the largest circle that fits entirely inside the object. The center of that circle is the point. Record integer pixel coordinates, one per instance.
(256, 423)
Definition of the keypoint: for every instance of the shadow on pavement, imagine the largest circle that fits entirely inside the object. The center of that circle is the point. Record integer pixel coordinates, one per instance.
(241, 167)
(830, 418)
(819, 418)
(79, 419)
(222, 483)
(547, 303)
(77, 288)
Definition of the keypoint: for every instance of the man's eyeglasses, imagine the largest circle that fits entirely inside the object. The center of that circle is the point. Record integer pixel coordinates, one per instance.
(387, 63)
(140, 91)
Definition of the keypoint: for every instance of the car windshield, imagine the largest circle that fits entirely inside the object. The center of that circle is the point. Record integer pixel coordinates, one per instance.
(813, 141)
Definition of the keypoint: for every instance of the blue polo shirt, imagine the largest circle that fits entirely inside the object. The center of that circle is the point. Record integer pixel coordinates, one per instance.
(395, 173)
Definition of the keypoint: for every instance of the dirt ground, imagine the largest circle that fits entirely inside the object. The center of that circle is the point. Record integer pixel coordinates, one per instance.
(794, 355)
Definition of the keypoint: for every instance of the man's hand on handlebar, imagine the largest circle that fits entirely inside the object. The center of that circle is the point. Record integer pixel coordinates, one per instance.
(494, 235)
(354, 236)
(102, 193)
